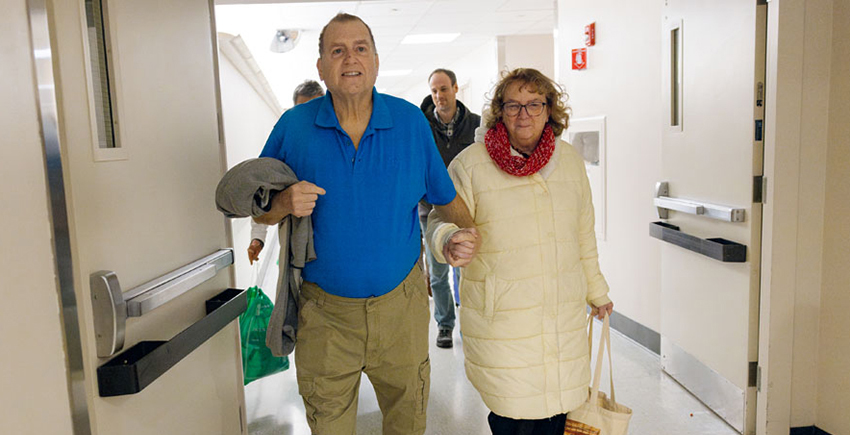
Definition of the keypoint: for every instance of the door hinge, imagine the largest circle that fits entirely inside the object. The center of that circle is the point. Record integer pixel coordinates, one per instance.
(754, 377)
(754, 374)
(759, 189)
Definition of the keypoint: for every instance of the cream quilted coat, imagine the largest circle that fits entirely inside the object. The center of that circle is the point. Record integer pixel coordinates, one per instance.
(523, 297)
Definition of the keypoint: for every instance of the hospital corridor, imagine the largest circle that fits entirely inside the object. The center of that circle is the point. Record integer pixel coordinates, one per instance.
(237, 216)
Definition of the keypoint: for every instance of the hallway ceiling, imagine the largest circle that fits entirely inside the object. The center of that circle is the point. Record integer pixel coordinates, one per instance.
(477, 21)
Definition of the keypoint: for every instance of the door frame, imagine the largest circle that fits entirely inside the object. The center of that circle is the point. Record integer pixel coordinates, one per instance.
(783, 124)
(43, 66)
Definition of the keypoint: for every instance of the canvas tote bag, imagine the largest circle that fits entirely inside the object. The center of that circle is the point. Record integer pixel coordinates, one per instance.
(600, 415)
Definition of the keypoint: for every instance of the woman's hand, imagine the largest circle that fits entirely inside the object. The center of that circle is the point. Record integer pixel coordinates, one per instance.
(461, 247)
(601, 312)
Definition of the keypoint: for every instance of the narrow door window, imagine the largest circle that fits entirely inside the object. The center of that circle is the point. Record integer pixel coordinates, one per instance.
(676, 76)
(101, 76)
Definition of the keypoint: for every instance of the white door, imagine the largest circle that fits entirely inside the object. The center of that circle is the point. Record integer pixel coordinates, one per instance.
(712, 150)
(146, 207)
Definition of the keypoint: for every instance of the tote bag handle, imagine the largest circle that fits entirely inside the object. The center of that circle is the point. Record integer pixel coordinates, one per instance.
(604, 342)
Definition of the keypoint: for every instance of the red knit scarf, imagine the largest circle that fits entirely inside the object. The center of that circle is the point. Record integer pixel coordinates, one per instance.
(499, 147)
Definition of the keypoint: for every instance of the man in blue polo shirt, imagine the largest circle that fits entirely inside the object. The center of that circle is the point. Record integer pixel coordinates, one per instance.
(365, 160)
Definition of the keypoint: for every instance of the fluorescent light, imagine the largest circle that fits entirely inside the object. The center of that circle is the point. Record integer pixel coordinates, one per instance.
(394, 72)
(430, 38)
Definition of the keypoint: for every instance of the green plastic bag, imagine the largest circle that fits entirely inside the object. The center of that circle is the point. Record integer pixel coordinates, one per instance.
(257, 359)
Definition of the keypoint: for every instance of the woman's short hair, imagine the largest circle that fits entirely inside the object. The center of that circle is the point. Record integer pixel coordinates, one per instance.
(534, 81)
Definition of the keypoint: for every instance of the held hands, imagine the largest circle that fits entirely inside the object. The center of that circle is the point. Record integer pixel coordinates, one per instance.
(297, 200)
(254, 250)
(601, 312)
(461, 247)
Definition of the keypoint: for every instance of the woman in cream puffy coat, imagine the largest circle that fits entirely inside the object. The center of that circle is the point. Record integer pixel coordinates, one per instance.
(524, 294)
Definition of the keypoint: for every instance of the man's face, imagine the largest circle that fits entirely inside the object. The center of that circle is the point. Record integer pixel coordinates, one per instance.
(443, 92)
(349, 63)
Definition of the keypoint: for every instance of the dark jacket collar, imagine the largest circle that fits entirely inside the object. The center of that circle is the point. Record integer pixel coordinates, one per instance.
(428, 107)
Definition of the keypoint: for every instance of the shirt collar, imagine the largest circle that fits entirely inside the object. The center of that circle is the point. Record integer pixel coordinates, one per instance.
(451, 122)
(381, 118)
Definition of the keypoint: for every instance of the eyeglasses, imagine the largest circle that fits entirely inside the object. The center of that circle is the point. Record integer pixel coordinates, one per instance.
(533, 108)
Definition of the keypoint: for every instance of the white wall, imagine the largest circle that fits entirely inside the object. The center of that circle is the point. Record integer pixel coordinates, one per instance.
(33, 382)
(248, 120)
(300, 62)
(476, 74)
(527, 51)
(833, 398)
(623, 82)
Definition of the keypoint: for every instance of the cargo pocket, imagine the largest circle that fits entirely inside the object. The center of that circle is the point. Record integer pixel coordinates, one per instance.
(307, 390)
(424, 386)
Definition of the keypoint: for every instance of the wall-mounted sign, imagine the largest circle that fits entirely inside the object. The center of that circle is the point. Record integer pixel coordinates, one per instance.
(590, 34)
(579, 58)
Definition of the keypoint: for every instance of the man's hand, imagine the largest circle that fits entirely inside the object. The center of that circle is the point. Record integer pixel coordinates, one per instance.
(254, 250)
(461, 247)
(297, 200)
(600, 312)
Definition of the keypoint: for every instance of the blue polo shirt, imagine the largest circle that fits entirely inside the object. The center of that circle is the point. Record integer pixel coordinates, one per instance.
(366, 227)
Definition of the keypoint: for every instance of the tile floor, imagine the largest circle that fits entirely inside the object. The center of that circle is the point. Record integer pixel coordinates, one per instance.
(660, 405)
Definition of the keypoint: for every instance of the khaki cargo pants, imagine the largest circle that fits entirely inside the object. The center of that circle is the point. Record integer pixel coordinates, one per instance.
(385, 337)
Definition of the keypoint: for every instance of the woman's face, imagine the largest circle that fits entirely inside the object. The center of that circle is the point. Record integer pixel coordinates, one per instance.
(524, 130)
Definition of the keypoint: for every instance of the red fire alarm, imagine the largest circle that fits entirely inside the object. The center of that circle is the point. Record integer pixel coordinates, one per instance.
(579, 58)
(590, 34)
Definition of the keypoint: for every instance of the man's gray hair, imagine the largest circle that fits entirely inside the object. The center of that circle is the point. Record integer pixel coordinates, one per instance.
(309, 89)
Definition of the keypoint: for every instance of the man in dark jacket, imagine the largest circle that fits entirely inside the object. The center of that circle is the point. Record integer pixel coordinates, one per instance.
(453, 126)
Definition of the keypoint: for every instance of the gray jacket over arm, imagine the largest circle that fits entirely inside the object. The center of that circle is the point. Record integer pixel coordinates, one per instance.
(247, 190)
